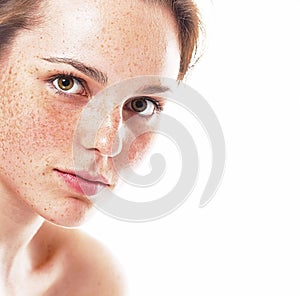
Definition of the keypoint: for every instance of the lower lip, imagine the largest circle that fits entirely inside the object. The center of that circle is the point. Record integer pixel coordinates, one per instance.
(79, 185)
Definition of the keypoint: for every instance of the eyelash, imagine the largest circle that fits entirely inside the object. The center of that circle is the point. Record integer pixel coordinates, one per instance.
(159, 106)
(71, 76)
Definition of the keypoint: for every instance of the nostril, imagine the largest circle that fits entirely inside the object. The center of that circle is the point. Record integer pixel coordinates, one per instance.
(109, 141)
(103, 136)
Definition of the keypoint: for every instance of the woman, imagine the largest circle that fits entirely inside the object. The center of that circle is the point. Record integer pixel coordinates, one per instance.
(55, 56)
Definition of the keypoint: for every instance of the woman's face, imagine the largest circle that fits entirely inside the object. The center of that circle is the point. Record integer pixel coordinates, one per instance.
(49, 76)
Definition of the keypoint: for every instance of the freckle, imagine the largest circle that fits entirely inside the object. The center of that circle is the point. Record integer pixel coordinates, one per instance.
(45, 209)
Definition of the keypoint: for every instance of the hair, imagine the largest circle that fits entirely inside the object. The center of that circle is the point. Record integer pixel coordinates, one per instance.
(18, 15)
(15, 16)
(191, 31)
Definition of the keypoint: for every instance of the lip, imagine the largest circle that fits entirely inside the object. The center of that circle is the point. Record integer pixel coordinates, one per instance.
(83, 182)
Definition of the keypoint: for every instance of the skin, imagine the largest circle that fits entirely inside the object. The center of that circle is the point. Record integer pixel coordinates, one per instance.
(122, 39)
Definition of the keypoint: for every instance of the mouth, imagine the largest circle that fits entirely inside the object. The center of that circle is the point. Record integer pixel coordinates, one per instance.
(83, 182)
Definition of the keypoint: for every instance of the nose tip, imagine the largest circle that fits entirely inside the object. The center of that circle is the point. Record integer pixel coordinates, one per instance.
(108, 139)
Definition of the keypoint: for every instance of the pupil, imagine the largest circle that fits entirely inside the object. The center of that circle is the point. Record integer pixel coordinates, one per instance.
(139, 105)
(65, 83)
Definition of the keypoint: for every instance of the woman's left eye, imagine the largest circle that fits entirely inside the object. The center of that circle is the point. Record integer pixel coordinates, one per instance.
(144, 106)
(69, 85)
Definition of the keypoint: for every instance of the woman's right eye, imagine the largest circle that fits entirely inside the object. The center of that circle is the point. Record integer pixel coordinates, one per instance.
(69, 85)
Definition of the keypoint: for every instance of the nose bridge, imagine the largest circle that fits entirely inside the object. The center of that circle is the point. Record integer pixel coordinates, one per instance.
(107, 140)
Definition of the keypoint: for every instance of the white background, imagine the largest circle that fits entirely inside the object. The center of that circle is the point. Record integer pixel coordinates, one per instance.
(246, 240)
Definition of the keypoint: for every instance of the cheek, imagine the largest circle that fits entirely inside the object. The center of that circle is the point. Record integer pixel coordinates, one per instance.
(53, 125)
(32, 124)
(139, 147)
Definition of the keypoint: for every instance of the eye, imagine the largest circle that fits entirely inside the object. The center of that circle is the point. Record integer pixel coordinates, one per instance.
(144, 106)
(69, 85)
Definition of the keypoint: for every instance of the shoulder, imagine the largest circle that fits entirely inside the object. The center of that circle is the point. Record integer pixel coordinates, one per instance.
(92, 266)
(88, 268)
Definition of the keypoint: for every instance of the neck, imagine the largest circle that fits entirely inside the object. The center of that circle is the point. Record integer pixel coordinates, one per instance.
(18, 226)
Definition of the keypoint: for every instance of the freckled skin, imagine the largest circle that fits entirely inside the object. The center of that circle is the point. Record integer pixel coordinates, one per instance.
(121, 38)
(39, 124)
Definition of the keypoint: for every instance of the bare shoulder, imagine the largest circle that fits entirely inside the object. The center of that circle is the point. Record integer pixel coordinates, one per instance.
(88, 268)
(92, 265)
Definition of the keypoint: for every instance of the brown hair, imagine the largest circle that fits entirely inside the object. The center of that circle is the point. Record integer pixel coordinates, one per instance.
(17, 15)
(190, 30)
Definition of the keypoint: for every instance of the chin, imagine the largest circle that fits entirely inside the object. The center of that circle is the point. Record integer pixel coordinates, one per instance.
(73, 213)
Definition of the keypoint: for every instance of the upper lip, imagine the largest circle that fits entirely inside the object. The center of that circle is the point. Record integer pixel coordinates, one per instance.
(86, 176)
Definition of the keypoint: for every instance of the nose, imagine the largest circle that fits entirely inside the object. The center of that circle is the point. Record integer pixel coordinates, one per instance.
(108, 141)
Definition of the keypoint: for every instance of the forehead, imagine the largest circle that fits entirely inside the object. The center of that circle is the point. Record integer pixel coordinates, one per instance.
(114, 30)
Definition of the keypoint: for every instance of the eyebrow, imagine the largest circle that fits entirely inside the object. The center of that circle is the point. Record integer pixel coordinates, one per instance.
(152, 89)
(89, 71)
